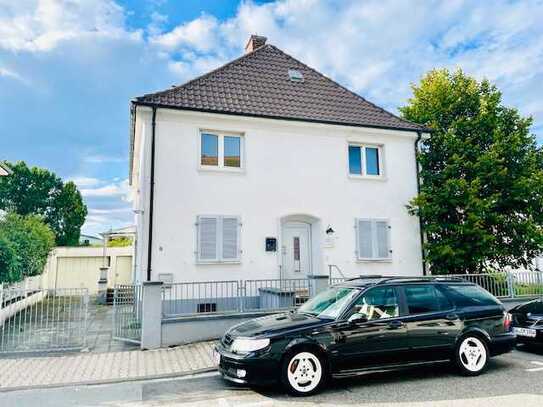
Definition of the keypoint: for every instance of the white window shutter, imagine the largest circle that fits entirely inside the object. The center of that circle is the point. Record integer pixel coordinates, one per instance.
(382, 231)
(365, 239)
(230, 238)
(207, 238)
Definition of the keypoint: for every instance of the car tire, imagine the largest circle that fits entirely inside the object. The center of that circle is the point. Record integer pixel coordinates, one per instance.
(303, 372)
(471, 355)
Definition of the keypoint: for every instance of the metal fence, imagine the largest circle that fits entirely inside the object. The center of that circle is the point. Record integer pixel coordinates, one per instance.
(127, 311)
(195, 298)
(510, 284)
(43, 320)
(28, 283)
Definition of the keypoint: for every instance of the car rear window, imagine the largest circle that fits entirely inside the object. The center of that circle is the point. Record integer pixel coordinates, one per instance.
(535, 308)
(424, 298)
(467, 295)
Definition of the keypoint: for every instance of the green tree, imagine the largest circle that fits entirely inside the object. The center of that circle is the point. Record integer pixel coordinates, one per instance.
(481, 199)
(40, 192)
(30, 239)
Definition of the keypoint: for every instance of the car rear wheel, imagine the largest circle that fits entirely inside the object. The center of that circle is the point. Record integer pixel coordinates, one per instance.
(472, 355)
(303, 373)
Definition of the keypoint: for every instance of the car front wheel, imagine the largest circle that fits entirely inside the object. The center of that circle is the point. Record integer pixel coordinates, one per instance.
(303, 373)
(471, 356)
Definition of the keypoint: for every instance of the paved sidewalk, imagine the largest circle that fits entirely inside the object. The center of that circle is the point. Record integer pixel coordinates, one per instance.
(92, 368)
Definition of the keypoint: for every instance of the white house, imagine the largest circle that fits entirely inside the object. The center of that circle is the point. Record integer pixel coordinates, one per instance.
(4, 170)
(265, 168)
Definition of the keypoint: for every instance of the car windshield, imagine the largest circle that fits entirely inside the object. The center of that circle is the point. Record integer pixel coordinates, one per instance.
(329, 303)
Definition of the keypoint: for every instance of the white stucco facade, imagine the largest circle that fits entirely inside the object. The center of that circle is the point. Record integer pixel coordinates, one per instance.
(292, 172)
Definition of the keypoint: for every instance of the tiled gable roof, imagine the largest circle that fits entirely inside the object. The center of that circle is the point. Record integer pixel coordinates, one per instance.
(258, 84)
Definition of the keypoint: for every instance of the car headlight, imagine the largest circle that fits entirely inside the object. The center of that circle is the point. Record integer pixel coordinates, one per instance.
(245, 345)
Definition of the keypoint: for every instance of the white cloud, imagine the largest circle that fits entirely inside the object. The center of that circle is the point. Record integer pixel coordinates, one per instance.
(118, 189)
(100, 159)
(199, 34)
(39, 26)
(99, 220)
(11, 74)
(84, 181)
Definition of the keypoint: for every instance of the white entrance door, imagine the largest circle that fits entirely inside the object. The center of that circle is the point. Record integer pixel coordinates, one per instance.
(296, 249)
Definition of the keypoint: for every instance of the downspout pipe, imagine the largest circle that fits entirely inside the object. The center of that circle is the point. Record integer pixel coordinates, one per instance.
(151, 196)
(421, 226)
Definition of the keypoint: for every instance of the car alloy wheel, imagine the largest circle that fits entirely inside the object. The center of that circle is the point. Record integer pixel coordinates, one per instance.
(304, 373)
(472, 355)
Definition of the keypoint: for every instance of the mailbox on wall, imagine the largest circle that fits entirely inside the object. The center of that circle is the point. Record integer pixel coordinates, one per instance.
(271, 244)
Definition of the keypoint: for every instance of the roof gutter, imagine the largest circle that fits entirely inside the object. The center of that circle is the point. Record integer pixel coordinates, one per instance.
(151, 196)
(263, 116)
(421, 226)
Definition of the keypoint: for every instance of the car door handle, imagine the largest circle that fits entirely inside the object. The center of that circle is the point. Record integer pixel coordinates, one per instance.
(451, 317)
(395, 324)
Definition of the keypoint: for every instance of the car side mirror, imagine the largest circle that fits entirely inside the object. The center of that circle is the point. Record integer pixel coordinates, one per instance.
(358, 319)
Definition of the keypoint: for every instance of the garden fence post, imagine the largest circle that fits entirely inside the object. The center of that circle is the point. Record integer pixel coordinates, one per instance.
(510, 284)
(241, 294)
(151, 318)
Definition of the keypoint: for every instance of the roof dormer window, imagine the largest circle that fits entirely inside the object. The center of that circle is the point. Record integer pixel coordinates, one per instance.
(295, 75)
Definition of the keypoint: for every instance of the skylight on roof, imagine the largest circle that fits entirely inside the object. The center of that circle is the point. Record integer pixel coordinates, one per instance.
(295, 75)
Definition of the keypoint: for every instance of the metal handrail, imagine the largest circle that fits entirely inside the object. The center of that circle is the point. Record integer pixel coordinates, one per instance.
(334, 266)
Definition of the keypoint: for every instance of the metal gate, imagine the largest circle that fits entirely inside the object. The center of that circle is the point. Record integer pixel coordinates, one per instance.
(43, 320)
(127, 308)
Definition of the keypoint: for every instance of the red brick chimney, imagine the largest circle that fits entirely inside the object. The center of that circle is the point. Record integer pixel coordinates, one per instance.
(255, 41)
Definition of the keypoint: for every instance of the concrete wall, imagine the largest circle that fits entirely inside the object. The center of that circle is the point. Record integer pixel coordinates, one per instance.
(177, 331)
(79, 267)
(290, 169)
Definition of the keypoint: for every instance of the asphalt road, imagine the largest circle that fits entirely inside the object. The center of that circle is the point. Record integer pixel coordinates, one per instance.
(514, 379)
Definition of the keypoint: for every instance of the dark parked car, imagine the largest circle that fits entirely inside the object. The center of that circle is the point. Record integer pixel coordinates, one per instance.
(368, 324)
(528, 322)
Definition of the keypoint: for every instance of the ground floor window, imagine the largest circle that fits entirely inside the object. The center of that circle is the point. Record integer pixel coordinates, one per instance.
(373, 239)
(218, 239)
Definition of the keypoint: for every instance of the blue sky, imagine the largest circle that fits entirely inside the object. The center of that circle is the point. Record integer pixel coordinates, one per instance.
(68, 69)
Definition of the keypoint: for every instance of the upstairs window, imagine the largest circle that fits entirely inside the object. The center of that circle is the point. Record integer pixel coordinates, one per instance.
(221, 151)
(365, 160)
(218, 239)
(373, 239)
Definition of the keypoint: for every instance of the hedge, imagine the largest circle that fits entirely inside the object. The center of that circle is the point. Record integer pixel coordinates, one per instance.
(25, 243)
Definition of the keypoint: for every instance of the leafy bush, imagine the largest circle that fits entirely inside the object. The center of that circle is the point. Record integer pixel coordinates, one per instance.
(123, 241)
(9, 265)
(30, 240)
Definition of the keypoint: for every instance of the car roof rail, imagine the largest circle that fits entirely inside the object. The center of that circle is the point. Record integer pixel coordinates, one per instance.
(368, 277)
(418, 279)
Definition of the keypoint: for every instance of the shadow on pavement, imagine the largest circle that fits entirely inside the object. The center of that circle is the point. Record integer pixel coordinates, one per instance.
(428, 383)
(534, 348)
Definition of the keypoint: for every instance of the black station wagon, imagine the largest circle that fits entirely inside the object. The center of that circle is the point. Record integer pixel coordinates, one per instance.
(368, 324)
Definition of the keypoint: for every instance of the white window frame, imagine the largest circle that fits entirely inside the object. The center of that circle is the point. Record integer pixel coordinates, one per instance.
(218, 241)
(363, 175)
(220, 165)
(375, 250)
